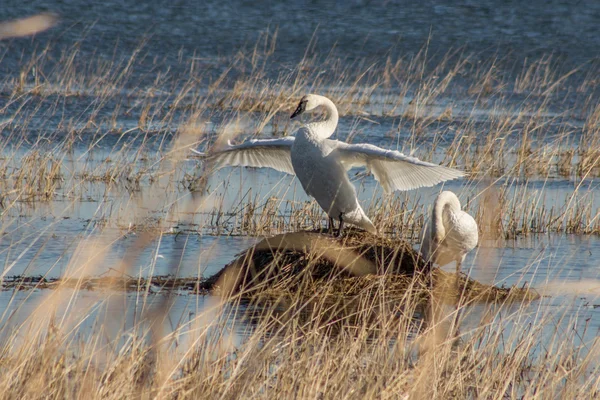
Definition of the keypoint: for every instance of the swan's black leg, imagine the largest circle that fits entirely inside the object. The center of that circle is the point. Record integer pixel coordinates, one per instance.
(330, 227)
(339, 232)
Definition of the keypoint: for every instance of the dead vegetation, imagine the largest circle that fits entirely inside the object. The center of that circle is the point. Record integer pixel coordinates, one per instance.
(317, 318)
(116, 142)
(318, 323)
(305, 262)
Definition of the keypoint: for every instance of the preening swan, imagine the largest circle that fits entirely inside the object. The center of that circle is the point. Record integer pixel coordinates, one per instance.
(451, 233)
(321, 164)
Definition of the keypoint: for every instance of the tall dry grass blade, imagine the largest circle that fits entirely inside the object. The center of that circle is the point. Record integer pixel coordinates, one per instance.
(27, 26)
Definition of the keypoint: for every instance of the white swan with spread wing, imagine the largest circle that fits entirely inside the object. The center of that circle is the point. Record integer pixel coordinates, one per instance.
(321, 164)
(451, 233)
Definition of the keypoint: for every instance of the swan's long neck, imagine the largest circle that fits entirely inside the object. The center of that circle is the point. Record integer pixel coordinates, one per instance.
(326, 127)
(445, 202)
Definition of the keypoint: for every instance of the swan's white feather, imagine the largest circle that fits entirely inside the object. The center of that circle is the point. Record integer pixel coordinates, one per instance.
(258, 153)
(392, 169)
(321, 164)
(459, 232)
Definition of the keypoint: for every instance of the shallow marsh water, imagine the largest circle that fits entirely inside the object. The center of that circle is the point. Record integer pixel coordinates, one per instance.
(41, 237)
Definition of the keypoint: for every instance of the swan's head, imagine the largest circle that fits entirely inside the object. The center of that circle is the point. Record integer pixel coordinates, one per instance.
(307, 103)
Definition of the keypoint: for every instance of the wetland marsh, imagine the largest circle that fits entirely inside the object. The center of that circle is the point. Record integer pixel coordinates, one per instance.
(97, 180)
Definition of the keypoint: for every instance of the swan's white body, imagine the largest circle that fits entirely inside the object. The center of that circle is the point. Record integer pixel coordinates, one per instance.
(451, 233)
(324, 177)
(321, 164)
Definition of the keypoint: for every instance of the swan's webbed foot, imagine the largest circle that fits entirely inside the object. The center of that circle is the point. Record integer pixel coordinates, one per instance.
(339, 232)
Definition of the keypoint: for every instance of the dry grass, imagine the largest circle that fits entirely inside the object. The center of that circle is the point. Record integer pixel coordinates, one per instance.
(390, 336)
(118, 137)
(123, 146)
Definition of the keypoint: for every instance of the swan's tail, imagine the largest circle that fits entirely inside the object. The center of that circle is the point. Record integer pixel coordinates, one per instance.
(367, 225)
(359, 218)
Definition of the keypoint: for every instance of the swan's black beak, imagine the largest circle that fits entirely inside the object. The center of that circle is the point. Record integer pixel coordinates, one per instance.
(300, 109)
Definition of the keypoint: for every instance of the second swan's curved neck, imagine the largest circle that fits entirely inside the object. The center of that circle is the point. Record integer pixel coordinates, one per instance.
(446, 201)
(326, 127)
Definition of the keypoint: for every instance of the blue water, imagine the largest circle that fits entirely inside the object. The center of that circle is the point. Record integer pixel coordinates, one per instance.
(358, 29)
(176, 40)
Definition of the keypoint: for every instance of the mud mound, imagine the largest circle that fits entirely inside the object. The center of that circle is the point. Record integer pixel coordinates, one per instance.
(359, 263)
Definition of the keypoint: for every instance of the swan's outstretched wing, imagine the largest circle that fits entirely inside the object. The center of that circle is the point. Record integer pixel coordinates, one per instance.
(392, 169)
(259, 153)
